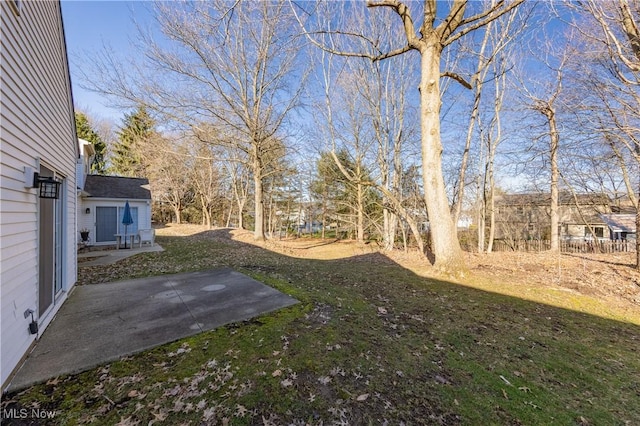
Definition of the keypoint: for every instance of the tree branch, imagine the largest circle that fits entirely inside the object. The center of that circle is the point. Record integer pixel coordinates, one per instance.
(403, 11)
(482, 19)
(453, 21)
(457, 78)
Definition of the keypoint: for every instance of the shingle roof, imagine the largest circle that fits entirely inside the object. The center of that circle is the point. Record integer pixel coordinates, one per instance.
(98, 186)
(564, 198)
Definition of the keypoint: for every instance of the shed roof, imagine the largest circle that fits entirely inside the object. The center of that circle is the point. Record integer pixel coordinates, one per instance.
(98, 186)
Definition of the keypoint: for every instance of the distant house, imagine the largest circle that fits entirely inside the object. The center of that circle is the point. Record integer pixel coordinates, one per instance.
(102, 204)
(38, 152)
(527, 216)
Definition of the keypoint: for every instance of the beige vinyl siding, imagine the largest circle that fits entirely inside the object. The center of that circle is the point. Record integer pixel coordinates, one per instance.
(36, 127)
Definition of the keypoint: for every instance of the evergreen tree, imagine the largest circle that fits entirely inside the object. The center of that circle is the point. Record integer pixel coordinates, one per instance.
(138, 129)
(353, 199)
(86, 132)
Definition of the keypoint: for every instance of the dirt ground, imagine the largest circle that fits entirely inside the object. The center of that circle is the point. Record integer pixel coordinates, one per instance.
(609, 275)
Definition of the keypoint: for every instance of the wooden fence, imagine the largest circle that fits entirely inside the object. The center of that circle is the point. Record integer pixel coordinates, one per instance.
(614, 246)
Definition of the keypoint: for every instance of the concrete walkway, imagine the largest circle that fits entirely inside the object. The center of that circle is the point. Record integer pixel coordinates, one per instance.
(104, 322)
(107, 257)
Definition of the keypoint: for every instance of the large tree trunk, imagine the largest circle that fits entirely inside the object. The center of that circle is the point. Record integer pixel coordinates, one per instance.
(444, 239)
(228, 223)
(324, 213)
(638, 231)
(482, 219)
(360, 214)
(258, 233)
(491, 205)
(240, 215)
(241, 201)
(390, 227)
(554, 180)
(206, 212)
(631, 29)
(270, 224)
(177, 213)
(387, 236)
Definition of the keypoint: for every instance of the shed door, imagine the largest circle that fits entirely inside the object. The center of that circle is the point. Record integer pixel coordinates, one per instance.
(106, 224)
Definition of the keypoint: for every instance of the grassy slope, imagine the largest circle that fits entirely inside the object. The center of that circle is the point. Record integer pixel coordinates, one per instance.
(371, 341)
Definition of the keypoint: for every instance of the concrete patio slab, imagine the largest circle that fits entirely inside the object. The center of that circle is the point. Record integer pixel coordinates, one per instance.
(104, 322)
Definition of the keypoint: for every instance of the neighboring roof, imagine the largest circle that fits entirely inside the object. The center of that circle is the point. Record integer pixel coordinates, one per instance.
(620, 222)
(98, 186)
(543, 199)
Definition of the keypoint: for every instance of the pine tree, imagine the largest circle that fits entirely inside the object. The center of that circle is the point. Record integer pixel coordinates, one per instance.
(86, 132)
(138, 129)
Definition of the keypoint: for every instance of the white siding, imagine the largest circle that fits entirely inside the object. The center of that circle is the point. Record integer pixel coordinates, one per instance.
(36, 127)
(88, 220)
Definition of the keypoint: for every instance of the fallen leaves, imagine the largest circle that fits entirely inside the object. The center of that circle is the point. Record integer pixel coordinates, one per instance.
(324, 380)
(184, 349)
(442, 380)
(504, 379)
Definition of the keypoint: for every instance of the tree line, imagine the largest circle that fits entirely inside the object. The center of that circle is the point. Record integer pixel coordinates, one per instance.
(385, 121)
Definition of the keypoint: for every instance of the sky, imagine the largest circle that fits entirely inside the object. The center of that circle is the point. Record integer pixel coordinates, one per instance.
(89, 25)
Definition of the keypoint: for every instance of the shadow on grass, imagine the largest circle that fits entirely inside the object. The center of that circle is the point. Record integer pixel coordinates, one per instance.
(371, 342)
(605, 261)
(314, 243)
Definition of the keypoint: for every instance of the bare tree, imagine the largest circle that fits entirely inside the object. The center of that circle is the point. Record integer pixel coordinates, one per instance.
(233, 65)
(206, 179)
(611, 30)
(364, 117)
(239, 183)
(169, 174)
(493, 138)
(436, 32)
(543, 97)
(495, 47)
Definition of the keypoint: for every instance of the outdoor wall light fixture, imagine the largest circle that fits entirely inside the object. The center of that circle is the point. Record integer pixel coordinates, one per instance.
(87, 211)
(49, 187)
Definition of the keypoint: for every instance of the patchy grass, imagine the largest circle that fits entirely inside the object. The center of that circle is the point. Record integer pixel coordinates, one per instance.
(371, 342)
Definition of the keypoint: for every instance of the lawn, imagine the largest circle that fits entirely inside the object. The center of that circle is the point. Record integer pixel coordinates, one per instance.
(375, 340)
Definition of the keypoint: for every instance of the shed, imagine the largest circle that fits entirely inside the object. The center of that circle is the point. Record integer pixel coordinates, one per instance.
(102, 206)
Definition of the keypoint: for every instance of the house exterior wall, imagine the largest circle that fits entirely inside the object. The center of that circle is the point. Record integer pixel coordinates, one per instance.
(36, 128)
(527, 222)
(88, 221)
